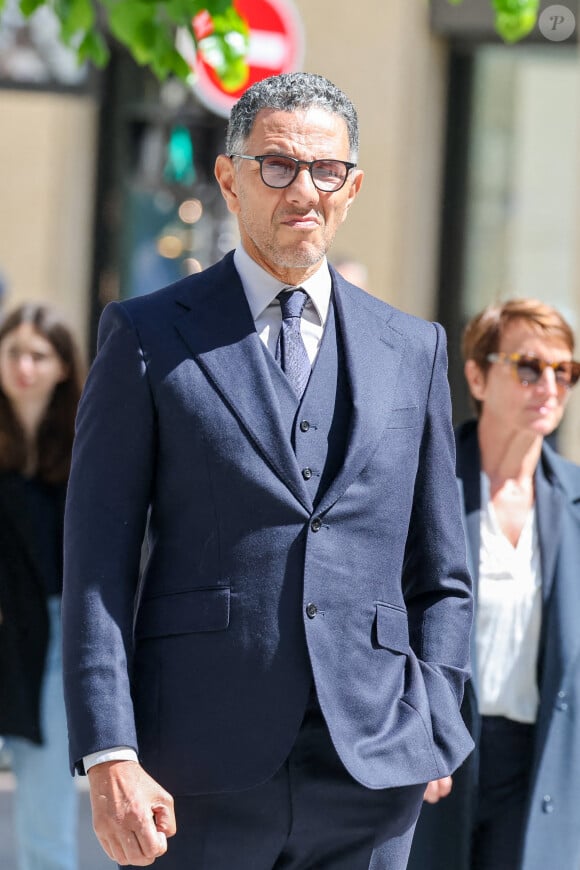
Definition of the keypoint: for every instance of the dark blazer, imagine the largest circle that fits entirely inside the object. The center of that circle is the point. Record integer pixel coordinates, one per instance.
(552, 834)
(23, 611)
(206, 664)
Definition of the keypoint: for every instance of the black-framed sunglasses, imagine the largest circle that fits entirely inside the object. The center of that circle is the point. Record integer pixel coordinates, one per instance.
(529, 369)
(278, 171)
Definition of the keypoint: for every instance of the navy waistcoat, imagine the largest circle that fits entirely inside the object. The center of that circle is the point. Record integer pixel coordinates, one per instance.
(318, 425)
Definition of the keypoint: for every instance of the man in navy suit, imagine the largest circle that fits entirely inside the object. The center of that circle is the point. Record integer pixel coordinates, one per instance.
(284, 674)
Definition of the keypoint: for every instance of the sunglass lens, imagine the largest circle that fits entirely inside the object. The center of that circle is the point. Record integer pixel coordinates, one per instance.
(529, 370)
(563, 374)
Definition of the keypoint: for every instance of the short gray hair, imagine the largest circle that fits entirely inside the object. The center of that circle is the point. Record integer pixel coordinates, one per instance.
(286, 93)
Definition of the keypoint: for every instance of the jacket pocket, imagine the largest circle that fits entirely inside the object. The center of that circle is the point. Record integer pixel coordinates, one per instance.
(402, 418)
(196, 610)
(392, 628)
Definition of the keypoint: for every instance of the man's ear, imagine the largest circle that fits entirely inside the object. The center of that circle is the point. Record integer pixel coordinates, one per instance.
(476, 379)
(226, 178)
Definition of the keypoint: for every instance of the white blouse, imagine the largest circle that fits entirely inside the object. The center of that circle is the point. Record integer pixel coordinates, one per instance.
(509, 617)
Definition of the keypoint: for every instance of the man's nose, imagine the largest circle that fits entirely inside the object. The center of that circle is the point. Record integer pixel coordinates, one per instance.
(303, 186)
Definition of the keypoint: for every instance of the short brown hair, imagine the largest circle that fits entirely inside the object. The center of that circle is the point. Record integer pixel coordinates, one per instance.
(484, 332)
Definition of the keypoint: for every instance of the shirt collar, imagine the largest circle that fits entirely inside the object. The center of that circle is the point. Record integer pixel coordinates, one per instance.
(261, 288)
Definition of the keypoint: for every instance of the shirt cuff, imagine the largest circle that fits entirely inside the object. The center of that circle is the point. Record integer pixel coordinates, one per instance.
(117, 753)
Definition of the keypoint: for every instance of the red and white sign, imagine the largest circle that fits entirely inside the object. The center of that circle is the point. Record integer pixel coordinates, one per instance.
(276, 46)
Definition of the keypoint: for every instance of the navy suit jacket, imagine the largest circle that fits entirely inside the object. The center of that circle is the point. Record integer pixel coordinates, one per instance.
(551, 839)
(203, 661)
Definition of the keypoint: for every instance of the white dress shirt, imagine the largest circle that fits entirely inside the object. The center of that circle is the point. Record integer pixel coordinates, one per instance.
(261, 290)
(509, 616)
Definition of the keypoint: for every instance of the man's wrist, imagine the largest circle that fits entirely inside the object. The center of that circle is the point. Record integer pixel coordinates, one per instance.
(116, 753)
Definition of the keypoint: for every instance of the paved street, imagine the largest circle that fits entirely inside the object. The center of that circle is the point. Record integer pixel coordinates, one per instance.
(91, 856)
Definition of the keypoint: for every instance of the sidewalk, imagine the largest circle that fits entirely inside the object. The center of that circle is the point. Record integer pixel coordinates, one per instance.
(91, 856)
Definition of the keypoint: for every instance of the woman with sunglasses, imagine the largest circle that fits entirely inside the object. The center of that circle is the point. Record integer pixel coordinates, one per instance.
(40, 383)
(514, 803)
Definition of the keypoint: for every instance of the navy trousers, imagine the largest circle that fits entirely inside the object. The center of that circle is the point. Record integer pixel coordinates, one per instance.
(311, 814)
(506, 750)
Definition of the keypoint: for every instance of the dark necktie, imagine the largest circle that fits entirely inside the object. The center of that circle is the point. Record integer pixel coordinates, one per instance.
(290, 350)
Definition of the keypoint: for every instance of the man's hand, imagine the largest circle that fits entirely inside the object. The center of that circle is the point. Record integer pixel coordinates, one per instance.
(437, 789)
(132, 814)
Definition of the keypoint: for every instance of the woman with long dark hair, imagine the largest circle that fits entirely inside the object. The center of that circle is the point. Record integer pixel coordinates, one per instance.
(40, 383)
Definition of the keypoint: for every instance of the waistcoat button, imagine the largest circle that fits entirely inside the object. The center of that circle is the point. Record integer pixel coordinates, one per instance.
(547, 804)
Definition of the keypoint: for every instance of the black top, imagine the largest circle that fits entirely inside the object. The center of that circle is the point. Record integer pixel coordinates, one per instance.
(31, 541)
(44, 504)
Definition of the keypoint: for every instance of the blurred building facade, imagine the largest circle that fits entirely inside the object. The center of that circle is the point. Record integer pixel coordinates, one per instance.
(470, 150)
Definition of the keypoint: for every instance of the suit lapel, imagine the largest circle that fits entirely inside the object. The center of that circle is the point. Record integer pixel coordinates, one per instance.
(372, 355)
(549, 506)
(218, 329)
(469, 474)
(469, 481)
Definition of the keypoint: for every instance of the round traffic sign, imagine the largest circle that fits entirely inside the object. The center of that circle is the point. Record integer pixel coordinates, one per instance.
(276, 46)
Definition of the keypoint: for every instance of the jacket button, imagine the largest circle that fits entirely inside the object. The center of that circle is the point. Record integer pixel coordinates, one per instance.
(316, 524)
(304, 426)
(306, 473)
(561, 704)
(547, 804)
(311, 611)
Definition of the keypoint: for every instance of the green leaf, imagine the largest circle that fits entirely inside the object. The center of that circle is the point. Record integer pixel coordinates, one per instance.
(178, 66)
(225, 48)
(231, 21)
(217, 7)
(162, 49)
(513, 7)
(514, 26)
(514, 19)
(27, 7)
(235, 75)
(82, 15)
(183, 11)
(135, 25)
(143, 43)
(126, 19)
(94, 48)
(76, 16)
